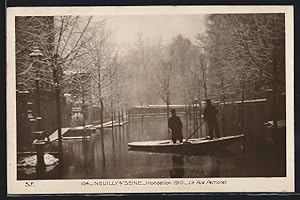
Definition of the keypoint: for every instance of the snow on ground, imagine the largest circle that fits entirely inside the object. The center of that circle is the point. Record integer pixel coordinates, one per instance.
(30, 161)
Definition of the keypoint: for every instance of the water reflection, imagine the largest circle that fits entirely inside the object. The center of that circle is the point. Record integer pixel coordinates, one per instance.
(177, 170)
(215, 169)
(106, 156)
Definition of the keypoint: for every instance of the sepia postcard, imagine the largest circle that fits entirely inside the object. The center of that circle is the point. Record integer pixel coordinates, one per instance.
(150, 99)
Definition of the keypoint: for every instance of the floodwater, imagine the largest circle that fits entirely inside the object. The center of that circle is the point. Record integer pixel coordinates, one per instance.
(107, 156)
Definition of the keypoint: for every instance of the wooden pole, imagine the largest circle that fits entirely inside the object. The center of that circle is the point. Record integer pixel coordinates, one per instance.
(195, 131)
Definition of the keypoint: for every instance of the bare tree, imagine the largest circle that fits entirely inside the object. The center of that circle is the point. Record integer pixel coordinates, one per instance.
(200, 71)
(142, 58)
(62, 45)
(250, 46)
(164, 82)
(29, 32)
(103, 67)
(79, 88)
(247, 54)
(182, 54)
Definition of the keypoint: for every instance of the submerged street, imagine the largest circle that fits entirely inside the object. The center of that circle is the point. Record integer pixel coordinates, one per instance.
(108, 157)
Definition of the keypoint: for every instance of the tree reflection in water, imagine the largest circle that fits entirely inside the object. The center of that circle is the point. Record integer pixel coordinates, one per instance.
(177, 170)
(107, 156)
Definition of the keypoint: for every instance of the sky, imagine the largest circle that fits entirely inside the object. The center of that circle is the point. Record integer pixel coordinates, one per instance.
(125, 28)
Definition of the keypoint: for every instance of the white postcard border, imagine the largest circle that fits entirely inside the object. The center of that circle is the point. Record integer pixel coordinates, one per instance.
(284, 184)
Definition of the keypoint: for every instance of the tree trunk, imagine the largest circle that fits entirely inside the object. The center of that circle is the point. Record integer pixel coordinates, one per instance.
(101, 116)
(204, 82)
(200, 113)
(58, 116)
(83, 110)
(243, 112)
(223, 91)
(275, 98)
(168, 113)
(168, 107)
(100, 99)
(205, 90)
(243, 99)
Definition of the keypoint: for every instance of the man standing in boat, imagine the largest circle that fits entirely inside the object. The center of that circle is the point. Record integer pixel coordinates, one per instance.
(210, 115)
(175, 127)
